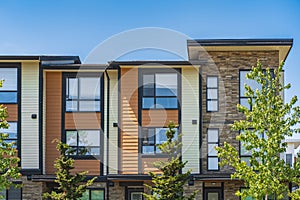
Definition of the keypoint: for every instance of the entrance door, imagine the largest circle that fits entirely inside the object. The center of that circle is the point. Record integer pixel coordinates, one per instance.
(213, 194)
(135, 194)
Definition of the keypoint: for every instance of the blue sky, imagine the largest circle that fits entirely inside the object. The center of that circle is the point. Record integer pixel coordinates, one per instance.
(75, 27)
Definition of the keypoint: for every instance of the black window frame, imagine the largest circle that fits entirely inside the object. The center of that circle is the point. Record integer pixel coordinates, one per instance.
(86, 157)
(153, 72)
(218, 144)
(95, 189)
(79, 75)
(212, 88)
(18, 80)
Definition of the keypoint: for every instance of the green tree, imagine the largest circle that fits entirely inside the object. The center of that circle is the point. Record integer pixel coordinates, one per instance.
(9, 170)
(262, 132)
(169, 185)
(70, 185)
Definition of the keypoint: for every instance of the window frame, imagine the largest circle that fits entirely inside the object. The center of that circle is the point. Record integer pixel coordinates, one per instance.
(79, 75)
(85, 157)
(95, 189)
(154, 72)
(218, 144)
(212, 88)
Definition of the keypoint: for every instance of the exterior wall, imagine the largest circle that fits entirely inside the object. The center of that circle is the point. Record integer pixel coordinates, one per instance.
(129, 121)
(30, 105)
(159, 118)
(190, 111)
(12, 111)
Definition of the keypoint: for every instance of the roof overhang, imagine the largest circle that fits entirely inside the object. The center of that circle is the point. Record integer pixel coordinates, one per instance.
(281, 45)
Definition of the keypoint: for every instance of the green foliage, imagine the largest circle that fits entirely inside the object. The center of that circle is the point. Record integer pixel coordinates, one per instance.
(70, 184)
(169, 184)
(9, 169)
(271, 117)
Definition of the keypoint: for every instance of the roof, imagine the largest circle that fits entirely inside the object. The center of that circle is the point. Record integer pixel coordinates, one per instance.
(44, 59)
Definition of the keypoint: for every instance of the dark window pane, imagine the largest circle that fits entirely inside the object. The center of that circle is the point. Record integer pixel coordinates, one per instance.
(14, 193)
(97, 194)
(8, 97)
(148, 102)
(9, 75)
(148, 90)
(166, 102)
(166, 84)
(85, 195)
(289, 159)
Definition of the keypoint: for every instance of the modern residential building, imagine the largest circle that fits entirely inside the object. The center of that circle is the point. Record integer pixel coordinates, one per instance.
(115, 114)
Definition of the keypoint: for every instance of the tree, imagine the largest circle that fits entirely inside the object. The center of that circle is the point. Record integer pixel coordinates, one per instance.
(70, 184)
(262, 132)
(9, 160)
(169, 184)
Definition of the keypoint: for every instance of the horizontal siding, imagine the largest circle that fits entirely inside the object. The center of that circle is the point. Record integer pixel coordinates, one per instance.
(53, 117)
(92, 166)
(159, 118)
(82, 120)
(12, 111)
(29, 126)
(190, 111)
(148, 165)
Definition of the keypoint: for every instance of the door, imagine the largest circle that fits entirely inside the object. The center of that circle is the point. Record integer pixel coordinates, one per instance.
(135, 194)
(213, 194)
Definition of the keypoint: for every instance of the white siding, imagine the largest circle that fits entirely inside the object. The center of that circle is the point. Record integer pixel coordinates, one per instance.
(44, 122)
(29, 106)
(190, 111)
(105, 125)
(113, 118)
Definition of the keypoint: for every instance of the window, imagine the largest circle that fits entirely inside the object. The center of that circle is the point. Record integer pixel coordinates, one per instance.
(212, 143)
(289, 159)
(160, 90)
(11, 194)
(9, 89)
(93, 194)
(85, 143)
(212, 94)
(82, 93)
(151, 137)
(12, 132)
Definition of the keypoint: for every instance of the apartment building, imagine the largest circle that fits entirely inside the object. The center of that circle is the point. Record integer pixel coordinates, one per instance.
(115, 114)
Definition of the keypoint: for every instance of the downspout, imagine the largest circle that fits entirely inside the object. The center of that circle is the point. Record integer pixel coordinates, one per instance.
(107, 132)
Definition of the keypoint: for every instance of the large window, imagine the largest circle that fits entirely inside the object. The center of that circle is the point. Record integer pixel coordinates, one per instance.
(212, 94)
(160, 90)
(93, 194)
(83, 93)
(151, 137)
(11, 194)
(12, 132)
(212, 143)
(85, 143)
(9, 89)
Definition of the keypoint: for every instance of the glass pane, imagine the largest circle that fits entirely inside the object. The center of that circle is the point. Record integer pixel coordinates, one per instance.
(94, 151)
(89, 88)
(136, 196)
(11, 131)
(289, 159)
(246, 159)
(89, 105)
(245, 152)
(85, 195)
(8, 97)
(14, 193)
(72, 88)
(97, 195)
(243, 80)
(211, 149)
(212, 93)
(166, 102)
(148, 102)
(213, 163)
(148, 85)
(9, 75)
(71, 105)
(71, 138)
(213, 196)
(212, 82)
(161, 135)
(212, 135)
(148, 149)
(244, 102)
(13, 142)
(148, 90)
(89, 138)
(212, 105)
(166, 84)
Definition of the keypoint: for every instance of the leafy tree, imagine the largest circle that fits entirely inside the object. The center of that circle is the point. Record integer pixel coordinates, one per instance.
(70, 184)
(262, 132)
(9, 160)
(169, 184)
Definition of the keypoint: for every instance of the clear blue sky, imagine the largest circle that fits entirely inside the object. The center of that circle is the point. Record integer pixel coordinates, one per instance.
(74, 27)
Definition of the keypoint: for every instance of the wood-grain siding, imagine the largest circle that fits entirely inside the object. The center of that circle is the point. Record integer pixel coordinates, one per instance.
(92, 166)
(159, 118)
(53, 117)
(129, 121)
(90, 120)
(148, 164)
(12, 111)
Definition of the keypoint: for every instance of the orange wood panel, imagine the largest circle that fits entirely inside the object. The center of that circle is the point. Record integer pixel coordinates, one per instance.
(76, 120)
(159, 118)
(148, 164)
(92, 166)
(129, 120)
(12, 111)
(53, 117)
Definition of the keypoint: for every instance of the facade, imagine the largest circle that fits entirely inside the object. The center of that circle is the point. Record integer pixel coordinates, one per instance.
(114, 115)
